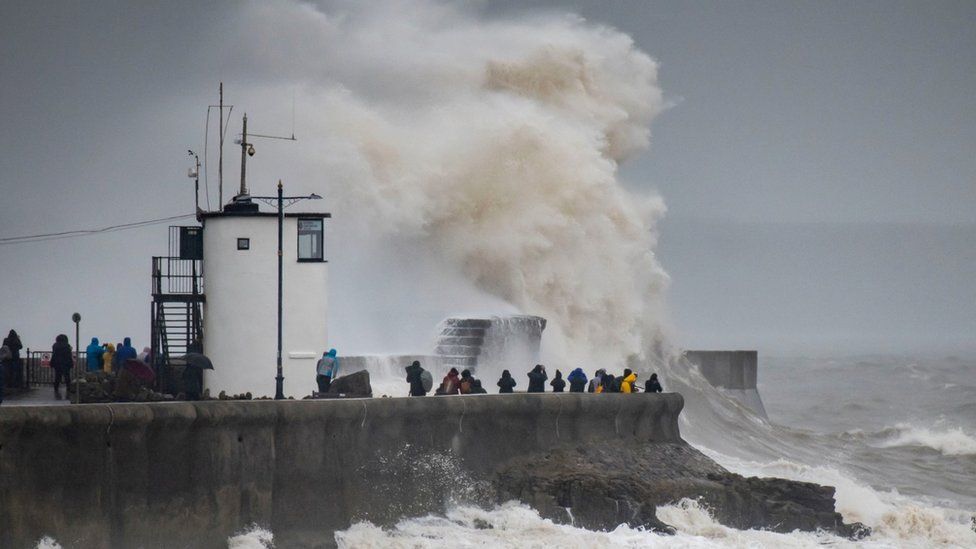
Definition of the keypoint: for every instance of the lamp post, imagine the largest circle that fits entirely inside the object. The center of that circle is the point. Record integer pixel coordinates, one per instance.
(279, 200)
(77, 320)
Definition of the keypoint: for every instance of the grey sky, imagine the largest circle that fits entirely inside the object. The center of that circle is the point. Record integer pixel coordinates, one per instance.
(834, 140)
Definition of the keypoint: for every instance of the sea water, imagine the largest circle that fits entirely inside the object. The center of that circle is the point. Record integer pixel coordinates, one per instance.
(896, 436)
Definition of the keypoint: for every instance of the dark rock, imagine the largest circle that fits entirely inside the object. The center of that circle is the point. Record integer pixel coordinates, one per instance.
(355, 384)
(601, 488)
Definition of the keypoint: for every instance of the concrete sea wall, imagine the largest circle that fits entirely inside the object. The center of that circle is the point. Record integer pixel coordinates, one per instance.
(735, 372)
(191, 474)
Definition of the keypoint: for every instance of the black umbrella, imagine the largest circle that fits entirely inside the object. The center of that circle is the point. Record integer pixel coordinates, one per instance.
(198, 360)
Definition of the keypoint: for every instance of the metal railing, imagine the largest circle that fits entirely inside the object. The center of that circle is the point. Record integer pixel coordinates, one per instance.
(175, 276)
(38, 370)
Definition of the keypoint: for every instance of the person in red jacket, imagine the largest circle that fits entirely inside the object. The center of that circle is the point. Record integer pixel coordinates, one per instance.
(451, 384)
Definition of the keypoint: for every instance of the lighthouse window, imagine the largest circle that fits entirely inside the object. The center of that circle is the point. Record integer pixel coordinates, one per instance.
(310, 240)
(243, 243)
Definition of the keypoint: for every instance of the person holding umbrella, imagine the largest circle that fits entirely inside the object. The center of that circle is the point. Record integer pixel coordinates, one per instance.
(196, 363)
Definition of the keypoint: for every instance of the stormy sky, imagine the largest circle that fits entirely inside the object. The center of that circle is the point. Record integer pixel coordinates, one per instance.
(817, 159)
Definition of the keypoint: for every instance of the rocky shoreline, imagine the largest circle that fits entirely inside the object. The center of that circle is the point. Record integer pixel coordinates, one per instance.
(599, 488)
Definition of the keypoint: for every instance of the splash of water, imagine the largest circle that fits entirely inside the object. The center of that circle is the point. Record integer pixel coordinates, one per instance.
(496, 144)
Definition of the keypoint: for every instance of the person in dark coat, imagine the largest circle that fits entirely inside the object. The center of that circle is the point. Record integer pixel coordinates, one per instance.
(537, 379)
(192, 382)
(14, 368)
(450, 384)
(116, 363)
(652, 385)
(609, 384)
(596, 384)
(465, 383)
(476, 388)
(61, 362)
(577, 381)
(415, 380)
(126, 351)
(506, 383)
(558, 383)
(4, 357)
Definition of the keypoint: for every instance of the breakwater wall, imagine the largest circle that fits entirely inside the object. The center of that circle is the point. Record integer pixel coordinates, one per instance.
(192, 474)
(736, 372)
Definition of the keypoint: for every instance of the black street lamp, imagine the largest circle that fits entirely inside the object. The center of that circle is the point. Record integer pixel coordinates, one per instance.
(280, 379)
(76, 318)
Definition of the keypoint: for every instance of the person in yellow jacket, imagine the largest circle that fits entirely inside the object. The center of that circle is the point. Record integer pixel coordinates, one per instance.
(627, 384)
(107, 357)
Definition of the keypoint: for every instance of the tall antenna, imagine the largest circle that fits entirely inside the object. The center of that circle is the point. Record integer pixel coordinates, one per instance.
(220, 162)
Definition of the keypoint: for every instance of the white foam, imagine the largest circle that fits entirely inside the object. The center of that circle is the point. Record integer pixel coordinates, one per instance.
(893, 517)
(47, 542)
(950, 441)
(253, 537)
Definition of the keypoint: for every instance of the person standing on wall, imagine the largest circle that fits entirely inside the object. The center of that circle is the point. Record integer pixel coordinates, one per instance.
(558, 383)
(415, 377)
(14, 367)
(93, 355)
(506, 383)
(62, 362)
(653, 385)
(537, 379)
(4, 357)
(325, 370)
(577, 381)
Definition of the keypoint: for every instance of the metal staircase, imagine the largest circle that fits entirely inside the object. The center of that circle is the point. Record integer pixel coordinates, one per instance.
(177, 309)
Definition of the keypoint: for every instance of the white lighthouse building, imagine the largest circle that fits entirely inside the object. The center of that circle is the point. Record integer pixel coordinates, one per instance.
(240, 322)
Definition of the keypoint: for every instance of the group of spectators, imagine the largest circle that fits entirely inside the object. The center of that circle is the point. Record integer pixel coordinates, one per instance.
(99, 357)
(464, 383)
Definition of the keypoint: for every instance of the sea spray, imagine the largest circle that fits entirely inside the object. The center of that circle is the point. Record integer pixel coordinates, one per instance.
(496, 144)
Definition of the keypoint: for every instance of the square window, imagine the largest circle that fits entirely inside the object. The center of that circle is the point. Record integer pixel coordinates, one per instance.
(243, 243)
(310, 239)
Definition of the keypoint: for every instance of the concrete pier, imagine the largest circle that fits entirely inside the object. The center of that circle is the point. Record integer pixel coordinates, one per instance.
(192, 474)
(735, 372)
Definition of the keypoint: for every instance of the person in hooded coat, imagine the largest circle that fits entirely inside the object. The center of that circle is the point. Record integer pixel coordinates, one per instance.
(465, 383)
(415, 380)
(577, 381)
(14, 367)
(506, 383)
(146, 355)
(537, 379)
(93, 355)
(61, 362)
(558, 383)
(596, 384)
(450, 385)
(108, 357)
(628, 383)
(126, 352)
(116, 364)
(652, 385)
(4, 357)
(609, 384)
(476, 388)
(325, 370)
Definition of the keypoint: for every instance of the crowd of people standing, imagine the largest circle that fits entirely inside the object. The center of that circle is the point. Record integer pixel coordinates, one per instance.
(464, 382)
(98, 357)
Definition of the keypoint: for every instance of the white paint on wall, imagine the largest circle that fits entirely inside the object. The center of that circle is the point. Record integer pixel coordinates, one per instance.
(240, 314)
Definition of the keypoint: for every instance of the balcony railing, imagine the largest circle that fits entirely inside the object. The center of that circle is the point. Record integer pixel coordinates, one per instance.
(175, 276)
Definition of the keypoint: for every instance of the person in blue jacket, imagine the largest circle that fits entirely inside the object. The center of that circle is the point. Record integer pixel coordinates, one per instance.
(126, 351)
(326, 370)
(93, 355)
(577, 381)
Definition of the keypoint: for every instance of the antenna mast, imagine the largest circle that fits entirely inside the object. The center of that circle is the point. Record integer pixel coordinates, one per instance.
(220, 162)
